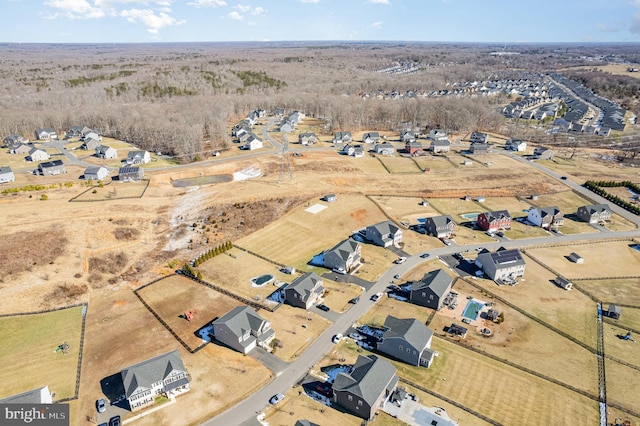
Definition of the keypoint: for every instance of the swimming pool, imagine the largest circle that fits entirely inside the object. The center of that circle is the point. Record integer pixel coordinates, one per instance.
(470, 216)
(472, 310)
(262, 280)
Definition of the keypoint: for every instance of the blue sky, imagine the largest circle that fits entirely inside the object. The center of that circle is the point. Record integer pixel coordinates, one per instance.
(502, 21)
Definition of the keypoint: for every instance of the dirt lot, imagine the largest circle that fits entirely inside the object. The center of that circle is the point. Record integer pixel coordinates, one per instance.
(28, 343)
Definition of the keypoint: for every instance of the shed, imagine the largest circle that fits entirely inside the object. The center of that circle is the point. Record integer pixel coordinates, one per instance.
(457, 330)
(614, 312)
(576, 258)
(330, 198)
(564, 283)
(492, 314)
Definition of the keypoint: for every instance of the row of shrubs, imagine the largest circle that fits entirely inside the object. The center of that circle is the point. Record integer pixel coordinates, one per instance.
(596, 187)
(30, 188)
(212, 253)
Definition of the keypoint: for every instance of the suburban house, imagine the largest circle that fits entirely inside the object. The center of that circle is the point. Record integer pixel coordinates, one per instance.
(408, 340)
(440, 226)
(342, 137)
(516, 145)
(502, 266)
(46, 134)
(36, 396)
(252, 143)
(384, 234)
(545, 217)
(106, 152)
(384, 148)
(286, 126)
(90, 144)
(138, 157)
(95, 173)
(13, 140)
(344, 257)
(542, 153)
(431, 290)
(370, 137)
(37, 154)
(243, 329)
(437, 135)
(22, 148)
(6, 175)
(478, 148)
(307, 138)
(358, 151)
(304, 291)
(91, 135)
(407, 136)
(362, 391)
(413, 147)
(594, 213)
(130, 174)
(74, 132)
(494, 221)
(479, 137)
(51, 168)
(440, 145)
(164, 374)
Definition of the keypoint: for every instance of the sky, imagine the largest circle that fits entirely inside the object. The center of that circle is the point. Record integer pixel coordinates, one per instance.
(142, 21)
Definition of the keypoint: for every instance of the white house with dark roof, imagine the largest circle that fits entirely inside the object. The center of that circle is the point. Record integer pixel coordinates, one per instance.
(37, 154)
(594, 213)
(384, 148)
(106, 152)
(545, 217)
(437, 135)
(36, 396)
(13, 140)
(362, 391)
(384, 234)
(6, 174)
(252, 143)
(164, 374)
(307, 138)
(371, 137)
(138, 157)
(440, 226)
(343, 257)
(440, 145)
(407, 136)
(90, 144)
(46, 134)
(243, 329)
(479, 137)
(431, 290)
(408, 340)
(21, 148)
(516, 145)
(95, 173)
(52, 168)
(502, 266)
(130, 174)
(304, 291)
(342, 137)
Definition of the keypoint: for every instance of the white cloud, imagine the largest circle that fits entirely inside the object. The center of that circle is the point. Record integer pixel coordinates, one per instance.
(75, 9)
(236, 16)
(246, 10)
(208, 3)
(242, 8)
(377, 24)
(378, 1)
(152, 20)
(258, 11)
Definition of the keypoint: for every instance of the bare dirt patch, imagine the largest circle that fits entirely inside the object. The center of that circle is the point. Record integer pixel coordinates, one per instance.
(24, 251)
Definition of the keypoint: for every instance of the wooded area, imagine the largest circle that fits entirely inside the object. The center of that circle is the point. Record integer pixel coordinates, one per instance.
(181, 98)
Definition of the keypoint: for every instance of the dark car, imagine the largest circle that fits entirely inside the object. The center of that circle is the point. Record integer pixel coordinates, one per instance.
(354, 300)
(101, 405)
(324, 308)
(424, 255)
(324, 389)
(115, 421)
(563, 177)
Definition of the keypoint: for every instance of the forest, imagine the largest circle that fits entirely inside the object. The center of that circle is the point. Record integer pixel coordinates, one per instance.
(182, 98)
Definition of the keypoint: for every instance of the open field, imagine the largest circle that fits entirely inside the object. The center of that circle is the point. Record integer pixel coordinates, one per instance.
(520, 230)
(375, 260)
(28, 344)
(234, 269)
(399, 164)
(295, 329)
(435, 163)
(456, 158)
(514, 206)
(455, 207)
(405, 209)
(624, 262)
(630, 318)
(616, 347)
(567, 201)
(464, 376)
(585, 166)
(300, 235)
(114, 191)
(623, 385)
(171, 297)
(367, 164)
(612, 290)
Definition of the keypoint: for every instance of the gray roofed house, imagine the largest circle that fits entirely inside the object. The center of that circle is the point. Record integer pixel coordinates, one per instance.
(138, 157)
(106, 152)
(305, 422)
(545, 217)
(344, 256)
(22, 148)
(342, 137)
(542, 153)
(413, 147)
(479, 148)
(51, 168)
(37, 154)
(502, 266)
(243, 329)
(370, 137)
(95, 173)
(36, 396)
(408, 340)
(407, 136)
(307, 138)
(13, 140)
(431, 290)
(6, 174)
(384, 234)
(163, 374)
(384, 148)
(46, 133)
(594, 213)
(479, 137)
(130, 174)
(440, 226)
(613, 311)
(304, 291)
(90, 144)
(437, 134)
(363, 391)
(440, 145)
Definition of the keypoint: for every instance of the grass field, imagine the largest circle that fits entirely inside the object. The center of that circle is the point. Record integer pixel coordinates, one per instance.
(631, 318)
(612, 290)
(399, 164)
(171, 297)
(623, 385)
(114, 191)
(405, 209)
(616, 347)
(623, 263)
(27, 345)
(337, 295)
(455, 207)
(435, 163)
(459, 160)
(367, 164)
(520, 230)
(514, 206)
(567, 201)
(300, 235)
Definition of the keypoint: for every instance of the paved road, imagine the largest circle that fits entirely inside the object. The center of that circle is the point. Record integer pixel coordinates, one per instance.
(265, 133)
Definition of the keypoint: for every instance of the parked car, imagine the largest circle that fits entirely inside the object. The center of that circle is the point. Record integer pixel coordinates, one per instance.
(324, 389)
(340, 271)
(376, 296)
(324, 307)
(101, 405)
(276, 398)
(354, 300)
(115, 421)
(400, 260)
(424, 255)
(563, 177)
(355, 336)
(396, 276)
(337, 338)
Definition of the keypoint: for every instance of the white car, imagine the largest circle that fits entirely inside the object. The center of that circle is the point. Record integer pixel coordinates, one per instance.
(376, 296)
(337, 338)
(401, 260)
(276, 398)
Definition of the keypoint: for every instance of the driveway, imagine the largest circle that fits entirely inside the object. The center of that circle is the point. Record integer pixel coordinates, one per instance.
(269, 360)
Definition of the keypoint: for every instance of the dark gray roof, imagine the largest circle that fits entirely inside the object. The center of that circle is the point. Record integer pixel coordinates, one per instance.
(503, 257)
(92, 170)
(345, 248)
(29, 397)
(145, 373)
(305, 284)
(5, 169)
(441, 221)
(413, 331)
(386, 227)
(597, 208)
(496, 215)
(49, 164)
(241, 319)
(128, 170)
(549, 211)
(437, 281)
(368, 380)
